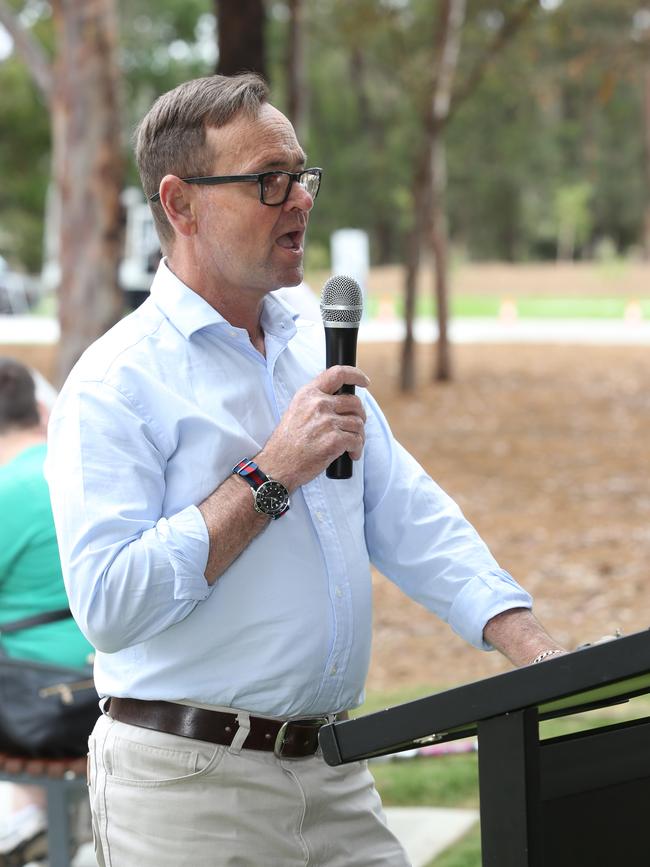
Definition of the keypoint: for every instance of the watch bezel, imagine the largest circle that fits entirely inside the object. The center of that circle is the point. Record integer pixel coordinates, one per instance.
(263, 491)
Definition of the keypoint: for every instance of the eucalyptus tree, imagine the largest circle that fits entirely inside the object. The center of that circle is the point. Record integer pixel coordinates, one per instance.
(80, 87)
(242, 36)
(80, 66)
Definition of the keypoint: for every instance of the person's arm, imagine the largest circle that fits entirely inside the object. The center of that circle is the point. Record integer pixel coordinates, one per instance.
(520, 637)
(418, 537)
(131, 571)
(318, 426)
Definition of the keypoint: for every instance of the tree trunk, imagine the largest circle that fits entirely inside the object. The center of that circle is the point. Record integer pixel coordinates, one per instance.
(440, 246)
(646, 128)
(296, 79)
(376, 126)
(451, 23)
(420, 189)
(407, 370)
(430, 221)
(241, 29)
(88, 170)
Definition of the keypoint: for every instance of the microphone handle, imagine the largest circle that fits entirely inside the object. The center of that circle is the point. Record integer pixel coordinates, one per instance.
(341, 348)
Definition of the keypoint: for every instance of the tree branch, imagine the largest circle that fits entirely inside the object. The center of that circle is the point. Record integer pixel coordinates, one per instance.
(29, 50)
(505, 34)
(452, 18)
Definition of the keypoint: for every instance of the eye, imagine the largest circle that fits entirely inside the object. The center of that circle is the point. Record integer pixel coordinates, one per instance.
(274, 186)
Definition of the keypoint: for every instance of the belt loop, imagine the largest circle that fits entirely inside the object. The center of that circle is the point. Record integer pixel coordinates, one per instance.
(244, 722)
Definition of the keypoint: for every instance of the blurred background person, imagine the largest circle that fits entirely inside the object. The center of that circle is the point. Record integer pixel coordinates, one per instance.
(30, 578)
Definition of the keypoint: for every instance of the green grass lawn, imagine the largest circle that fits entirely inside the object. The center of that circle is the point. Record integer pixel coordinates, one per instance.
(527, 308)
(452, 781)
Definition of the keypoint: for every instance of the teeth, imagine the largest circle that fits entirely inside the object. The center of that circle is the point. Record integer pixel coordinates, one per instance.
(291, 241)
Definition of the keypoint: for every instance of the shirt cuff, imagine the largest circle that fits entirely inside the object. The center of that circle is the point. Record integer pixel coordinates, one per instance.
(481, 599)
(185, 537)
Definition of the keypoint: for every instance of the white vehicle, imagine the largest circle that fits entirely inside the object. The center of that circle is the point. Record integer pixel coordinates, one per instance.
(141, 249)
(14, 294)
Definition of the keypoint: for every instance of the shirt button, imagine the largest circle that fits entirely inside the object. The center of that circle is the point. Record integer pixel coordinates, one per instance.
(333, 670)
(338, 592)
(319, 516)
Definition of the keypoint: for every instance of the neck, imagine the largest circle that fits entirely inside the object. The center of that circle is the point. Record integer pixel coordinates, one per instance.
(240, 308)
(13, 442)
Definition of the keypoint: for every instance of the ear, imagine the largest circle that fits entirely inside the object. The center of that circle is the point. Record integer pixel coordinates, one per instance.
(177, 201)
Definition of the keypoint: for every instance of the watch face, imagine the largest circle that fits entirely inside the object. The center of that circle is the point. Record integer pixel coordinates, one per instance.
(271, 497)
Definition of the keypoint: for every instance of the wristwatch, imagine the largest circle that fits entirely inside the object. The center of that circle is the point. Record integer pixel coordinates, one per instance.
(270, 497)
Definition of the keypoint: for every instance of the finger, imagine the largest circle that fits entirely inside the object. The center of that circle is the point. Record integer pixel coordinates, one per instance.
(355, 449)
(348, 404)
(351, 424)
(331, 380)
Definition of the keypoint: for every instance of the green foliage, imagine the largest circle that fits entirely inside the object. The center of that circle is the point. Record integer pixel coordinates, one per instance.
(573, 216)
(163, 44)
(558, 109)
(24, 166)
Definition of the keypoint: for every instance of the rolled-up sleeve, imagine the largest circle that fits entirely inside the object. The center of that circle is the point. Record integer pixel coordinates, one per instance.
(130, 570)
(417, 537)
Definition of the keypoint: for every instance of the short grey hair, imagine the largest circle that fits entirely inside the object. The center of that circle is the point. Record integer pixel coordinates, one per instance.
(171, 138)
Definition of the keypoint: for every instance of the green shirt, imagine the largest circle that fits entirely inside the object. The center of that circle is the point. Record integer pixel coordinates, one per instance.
(30, 572)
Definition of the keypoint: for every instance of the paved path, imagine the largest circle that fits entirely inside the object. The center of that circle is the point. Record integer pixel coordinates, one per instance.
(425, 832)
(38, 329)
(471, 330)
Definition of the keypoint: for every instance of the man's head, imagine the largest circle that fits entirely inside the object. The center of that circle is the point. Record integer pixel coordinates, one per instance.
(18, 405)
(205, 152)
(172, 137)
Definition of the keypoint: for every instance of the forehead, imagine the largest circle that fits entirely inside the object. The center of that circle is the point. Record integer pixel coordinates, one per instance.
(255, 144)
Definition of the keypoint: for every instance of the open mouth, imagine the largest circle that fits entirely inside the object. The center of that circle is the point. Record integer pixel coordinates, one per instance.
(291, 240)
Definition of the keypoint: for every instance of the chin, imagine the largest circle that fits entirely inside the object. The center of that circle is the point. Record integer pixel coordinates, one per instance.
(292, 277)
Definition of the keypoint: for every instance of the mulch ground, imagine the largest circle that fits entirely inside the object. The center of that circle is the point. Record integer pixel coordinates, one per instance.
(547, 451)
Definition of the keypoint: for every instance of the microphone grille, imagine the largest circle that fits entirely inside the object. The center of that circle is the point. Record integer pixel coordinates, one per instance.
(341, 302)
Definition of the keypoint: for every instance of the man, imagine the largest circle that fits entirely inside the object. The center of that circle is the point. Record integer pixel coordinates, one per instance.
(30, 578)
(219, 615)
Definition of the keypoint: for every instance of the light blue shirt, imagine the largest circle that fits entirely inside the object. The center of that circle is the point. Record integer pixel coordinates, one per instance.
(151, 420)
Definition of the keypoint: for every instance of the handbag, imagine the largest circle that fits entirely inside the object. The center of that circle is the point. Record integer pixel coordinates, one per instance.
(46, 711)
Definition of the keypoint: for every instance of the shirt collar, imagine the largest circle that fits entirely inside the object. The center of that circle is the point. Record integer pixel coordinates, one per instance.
(189, 312)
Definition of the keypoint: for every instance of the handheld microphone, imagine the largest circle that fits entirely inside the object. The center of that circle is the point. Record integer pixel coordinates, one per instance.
(341, 306)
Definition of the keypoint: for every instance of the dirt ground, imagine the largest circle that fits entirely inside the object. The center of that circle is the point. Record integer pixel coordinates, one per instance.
(547, 451)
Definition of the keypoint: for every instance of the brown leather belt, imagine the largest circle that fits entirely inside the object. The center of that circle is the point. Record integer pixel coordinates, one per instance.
(293, 739)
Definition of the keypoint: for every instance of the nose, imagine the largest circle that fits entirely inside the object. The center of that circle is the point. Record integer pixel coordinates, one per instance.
(299, 198)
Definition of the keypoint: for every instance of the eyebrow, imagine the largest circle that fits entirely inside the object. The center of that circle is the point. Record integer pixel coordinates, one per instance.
(282, 164)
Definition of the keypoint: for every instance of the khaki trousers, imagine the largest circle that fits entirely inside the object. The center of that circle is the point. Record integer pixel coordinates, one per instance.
(160, 800)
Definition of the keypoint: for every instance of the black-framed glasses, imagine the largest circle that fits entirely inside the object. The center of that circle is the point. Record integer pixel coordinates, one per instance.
(274, 186)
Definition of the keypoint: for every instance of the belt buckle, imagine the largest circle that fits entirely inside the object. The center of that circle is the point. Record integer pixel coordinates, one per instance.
(280, 740)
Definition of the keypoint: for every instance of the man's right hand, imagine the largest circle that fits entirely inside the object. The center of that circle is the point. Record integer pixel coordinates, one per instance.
(318, 426)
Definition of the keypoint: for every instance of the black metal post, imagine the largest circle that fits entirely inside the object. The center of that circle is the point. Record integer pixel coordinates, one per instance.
(509, 785)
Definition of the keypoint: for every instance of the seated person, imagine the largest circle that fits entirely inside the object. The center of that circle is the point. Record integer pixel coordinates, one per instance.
(30, 576)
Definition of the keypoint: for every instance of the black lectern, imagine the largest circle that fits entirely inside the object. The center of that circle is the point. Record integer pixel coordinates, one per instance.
(580, 800)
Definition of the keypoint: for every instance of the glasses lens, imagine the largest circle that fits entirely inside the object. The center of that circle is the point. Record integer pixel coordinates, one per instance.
(274, 188)
(310, 180)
